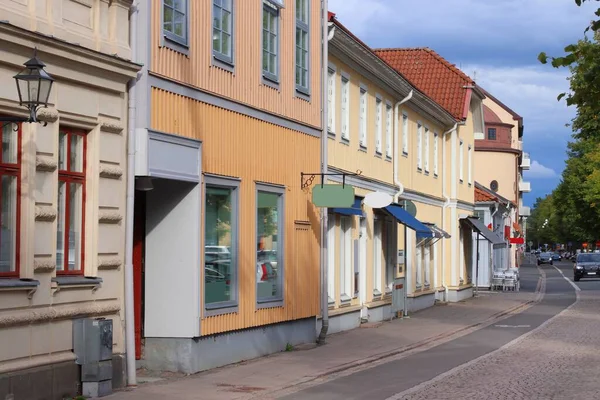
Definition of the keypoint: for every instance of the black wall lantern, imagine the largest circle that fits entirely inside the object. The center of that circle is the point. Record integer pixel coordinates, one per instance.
(33, 86)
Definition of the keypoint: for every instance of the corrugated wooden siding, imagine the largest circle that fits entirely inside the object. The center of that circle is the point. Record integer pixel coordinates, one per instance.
(245, 84)
(253, 150)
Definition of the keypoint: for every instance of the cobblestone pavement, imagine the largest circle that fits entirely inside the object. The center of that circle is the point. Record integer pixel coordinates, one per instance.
(558, 361)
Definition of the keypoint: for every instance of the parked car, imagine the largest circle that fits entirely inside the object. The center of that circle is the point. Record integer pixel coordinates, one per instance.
(556, 257)
(545, 258)
(587, 265)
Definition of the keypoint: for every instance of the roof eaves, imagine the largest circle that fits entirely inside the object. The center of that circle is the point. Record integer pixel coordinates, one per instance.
(516, 116)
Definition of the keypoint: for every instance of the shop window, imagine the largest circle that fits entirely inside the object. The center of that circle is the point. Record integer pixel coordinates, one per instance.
(10, 173)
(269, 236)
(220, 242)
(70, 236)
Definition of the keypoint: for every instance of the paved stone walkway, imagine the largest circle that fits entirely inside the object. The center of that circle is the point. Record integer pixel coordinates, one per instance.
(266, 377)
(558, 361)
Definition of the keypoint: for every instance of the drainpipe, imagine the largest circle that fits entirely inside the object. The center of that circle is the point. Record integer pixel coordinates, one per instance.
(129, 210)
(491, 246)
(446, 204)
(396, 161)
(324, 216)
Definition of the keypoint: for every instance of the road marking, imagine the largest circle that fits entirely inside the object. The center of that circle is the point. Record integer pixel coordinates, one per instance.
(577, 288)
(512, 326)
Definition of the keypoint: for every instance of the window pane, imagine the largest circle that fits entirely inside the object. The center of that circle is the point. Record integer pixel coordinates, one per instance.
(273, 24)
(167, 15)
(218, 271)
(168, 2)
(179, 5)
(265, 40)
(75, 225)
(265, 61)
(226, 4)
(62, 151)
(272, 65)
(60, 233)
(267, 257)
(216, 17)
(179, 24)
(226, 20)
(265, 20)
(226, 40)
(272, 43)
(216, 40)
(8, 234)
(9, 144)
(76, 153)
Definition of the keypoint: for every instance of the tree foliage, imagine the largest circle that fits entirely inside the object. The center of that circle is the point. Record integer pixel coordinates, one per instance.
(573, 208)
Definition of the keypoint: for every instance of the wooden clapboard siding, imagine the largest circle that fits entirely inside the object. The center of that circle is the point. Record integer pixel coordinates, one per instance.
(252, 150)
(245, 83)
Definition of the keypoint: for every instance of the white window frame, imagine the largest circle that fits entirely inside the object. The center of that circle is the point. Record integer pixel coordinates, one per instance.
(346, 270)
(419, 146)
(404, 133)
(391, 254)
(419, 267)
(378, 124)
(435, 154)
(363, 113)
(389, 115)
(331, 259)
(377, 256)
(469, 165)
(427, 255)
(461, 156)
(426, 150)
(331, 76)
(345, 107)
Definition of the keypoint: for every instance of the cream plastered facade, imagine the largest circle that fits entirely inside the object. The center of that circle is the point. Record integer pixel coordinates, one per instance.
(89, 94)
(366, 296)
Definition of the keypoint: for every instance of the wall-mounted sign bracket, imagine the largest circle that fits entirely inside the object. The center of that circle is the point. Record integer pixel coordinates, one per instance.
(310, 177)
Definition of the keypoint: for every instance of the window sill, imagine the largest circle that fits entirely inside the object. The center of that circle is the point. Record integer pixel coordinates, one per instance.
(75, 282)
(175, 46)
(388, 158)
(13, 285)
(345, 141)
(362, 148)
(270, 83)
(404, 154)
(262, 304)
(221, 309)
(378, 155)
(376, 294)
(224, 65)
(302, 95)
(330, 135)
(345, 299)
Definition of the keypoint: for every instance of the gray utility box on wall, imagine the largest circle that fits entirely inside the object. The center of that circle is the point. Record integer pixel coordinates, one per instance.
(398, 302)
(92, 344)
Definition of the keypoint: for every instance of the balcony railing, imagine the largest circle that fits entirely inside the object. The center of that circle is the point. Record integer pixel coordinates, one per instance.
(525, 211)
(525, 186)
(525, 161)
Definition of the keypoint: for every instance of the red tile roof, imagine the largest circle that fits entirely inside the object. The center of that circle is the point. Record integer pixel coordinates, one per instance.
(433, 75)
(482, 195)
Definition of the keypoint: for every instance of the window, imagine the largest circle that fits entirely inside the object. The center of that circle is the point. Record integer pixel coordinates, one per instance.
(10, 173)
(419, 270)
(346, 270)
(363, 117)
(270, 46)
(71, 197)
(461, 156)
(391, 254)
(377, 253)
(469, 165)
(419, 147)
(220, 242)
(223, 30)
(269, 237)
(345, 108)
(175, 21)
(331, 101)
(427, 254)
(435, 154)
(491, 133)
(378, 125)
(404, 133)
(388, 130)
(331, 258)
(302, 49)
(427, 150)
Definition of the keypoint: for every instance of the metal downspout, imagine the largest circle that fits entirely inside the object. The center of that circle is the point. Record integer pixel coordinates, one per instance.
(446, 204)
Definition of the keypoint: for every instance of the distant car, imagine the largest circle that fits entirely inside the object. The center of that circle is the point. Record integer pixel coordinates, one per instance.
(545, 258)
(556, 257)
(587, 265)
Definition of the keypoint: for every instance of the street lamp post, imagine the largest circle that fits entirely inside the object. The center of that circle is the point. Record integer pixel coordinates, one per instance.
(33, 86)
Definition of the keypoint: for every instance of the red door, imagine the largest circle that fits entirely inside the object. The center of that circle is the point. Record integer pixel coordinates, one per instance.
(139, 235)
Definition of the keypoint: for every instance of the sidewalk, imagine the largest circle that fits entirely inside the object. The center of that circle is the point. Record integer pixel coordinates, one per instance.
(348, 350)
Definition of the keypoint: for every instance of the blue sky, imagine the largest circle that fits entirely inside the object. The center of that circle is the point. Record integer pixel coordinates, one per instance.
(497, 43)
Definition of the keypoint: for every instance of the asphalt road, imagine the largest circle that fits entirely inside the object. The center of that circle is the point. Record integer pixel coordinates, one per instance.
(394, 379)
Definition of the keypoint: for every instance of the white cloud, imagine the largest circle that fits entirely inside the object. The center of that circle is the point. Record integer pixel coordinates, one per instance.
(539, 171)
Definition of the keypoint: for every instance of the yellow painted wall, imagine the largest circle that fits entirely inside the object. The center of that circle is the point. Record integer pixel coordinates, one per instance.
(245, 84)
(252, 150)
(500, 167)
(348, 155)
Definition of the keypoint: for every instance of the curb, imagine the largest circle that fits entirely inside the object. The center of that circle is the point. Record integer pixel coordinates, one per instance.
(539, 292)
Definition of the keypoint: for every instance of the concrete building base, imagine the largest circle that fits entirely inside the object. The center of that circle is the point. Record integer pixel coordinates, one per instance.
(341, 321)
(191, 355)
(420, 302)
(459, 295)
(383, 313)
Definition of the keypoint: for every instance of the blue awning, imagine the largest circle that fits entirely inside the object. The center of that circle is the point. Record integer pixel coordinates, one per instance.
(403, 217)
(356, 208)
